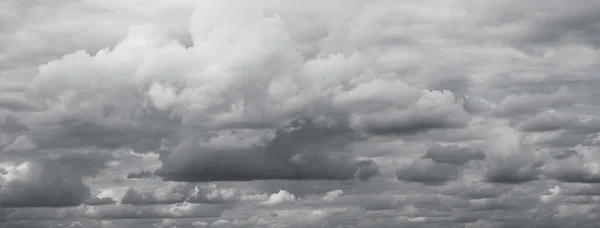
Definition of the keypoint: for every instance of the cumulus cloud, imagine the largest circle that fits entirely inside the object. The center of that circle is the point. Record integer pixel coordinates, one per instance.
(206, 89)
(212, 194)
(278, 198)
(333, 194)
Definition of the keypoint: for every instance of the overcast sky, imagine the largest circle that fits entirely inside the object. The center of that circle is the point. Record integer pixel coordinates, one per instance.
(313, 113)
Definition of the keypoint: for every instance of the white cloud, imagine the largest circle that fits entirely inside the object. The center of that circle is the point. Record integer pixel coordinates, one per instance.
(278, 198)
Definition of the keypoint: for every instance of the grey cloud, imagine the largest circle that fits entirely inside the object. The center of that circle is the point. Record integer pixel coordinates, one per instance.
(87, 163)
(564, 154)
(474, 105)
(505, 202)
(366, 169)
(374, 61)
(582, 189)
(573, 124)
(453, 154)
(512, 171)
(475, 190)
(42, 184)
(139, 175)
(419, 120)
(524, 104)
(167, 195)
(561, 130)
(428, 172)
(16, 102)
(564, 139)
(439, 164)
(568, 22)
(12, 125)
(141, 136)
(184, 210)
(304, 149)
(572, 170)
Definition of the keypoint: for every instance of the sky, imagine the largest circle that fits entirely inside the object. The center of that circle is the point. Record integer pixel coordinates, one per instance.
(314, 113)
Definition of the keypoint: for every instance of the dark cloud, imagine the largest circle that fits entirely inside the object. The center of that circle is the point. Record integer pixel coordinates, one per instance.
(582, 189)
(139, 175)
(366, 169)
(574, 169)
(476, 190)
(143, 135)
(167, 195)
(453, 154)
(505, 202)
(564, 154)
(12, 125)
(512, 171)
(428, 172)
(42, 184)
(304, 149)
(86, 163)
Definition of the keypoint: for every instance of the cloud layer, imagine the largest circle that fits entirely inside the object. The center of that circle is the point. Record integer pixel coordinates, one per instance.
(201, 113)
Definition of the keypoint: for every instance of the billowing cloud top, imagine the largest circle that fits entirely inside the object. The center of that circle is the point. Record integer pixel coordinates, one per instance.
(280, 113)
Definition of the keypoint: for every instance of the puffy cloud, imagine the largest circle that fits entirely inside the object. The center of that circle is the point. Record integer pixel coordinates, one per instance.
(206, 84)
(212, 194)
(42, 184)
(278, 198)
(333, 194)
